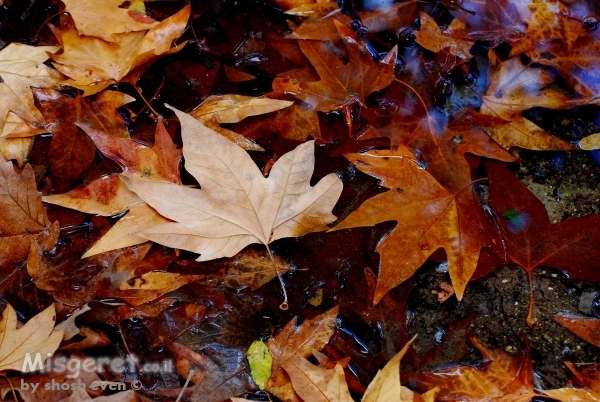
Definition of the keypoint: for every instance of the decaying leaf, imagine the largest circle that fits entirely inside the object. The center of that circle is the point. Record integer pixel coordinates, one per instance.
(216, 377)
(71, 150)
(36, 336)
(236, 206)
(260, 361)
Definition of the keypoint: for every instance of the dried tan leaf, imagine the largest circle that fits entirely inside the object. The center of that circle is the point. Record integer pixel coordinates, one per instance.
(236, 206)
(103, 19)
(22, 67)
(232, 109)
(36, 336)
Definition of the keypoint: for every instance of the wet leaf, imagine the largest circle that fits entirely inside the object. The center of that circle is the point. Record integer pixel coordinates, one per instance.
(531, 240)
(432, 38)
(587, 382)
(586, 328)
(232, 109)
(429, 217)
(501, 377)
(342, 83)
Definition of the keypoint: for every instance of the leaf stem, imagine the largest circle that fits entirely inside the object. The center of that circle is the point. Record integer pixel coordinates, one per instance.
(187, 381)
(284, 305)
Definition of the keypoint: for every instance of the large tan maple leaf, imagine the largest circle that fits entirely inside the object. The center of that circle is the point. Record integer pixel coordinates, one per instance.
(22, 67)
(236, 206)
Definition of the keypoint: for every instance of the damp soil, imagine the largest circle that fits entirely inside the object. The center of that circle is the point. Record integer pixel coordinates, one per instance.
(340, 267)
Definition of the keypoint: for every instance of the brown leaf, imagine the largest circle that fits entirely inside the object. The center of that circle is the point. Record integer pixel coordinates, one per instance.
(299, 340)
(217, 110)
(71, 150)
(501, 377)
(514, 88)
(586, 328)
(342, 83)
(429, 217)
(161, 162)
(432, 38)
(105, 196)
(315, 383)
(23, 214)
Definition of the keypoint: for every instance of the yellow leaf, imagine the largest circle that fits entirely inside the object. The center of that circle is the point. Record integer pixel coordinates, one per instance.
(260, 361)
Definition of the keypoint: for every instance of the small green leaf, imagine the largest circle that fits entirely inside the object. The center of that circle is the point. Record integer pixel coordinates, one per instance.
(260, 360)
(138, 5)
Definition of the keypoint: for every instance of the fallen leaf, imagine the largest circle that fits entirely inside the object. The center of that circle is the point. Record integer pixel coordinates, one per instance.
(68, 325)
(297, 341)
(315, 383)
(531, 240)
(501, 377)
(386, 384)
(548, 21)
(92, 64)
(429, 217)
(260, 361)
(250, 268)
(578, 66)
(102, 20)
(22, 67)
(514, 88)
(590, 142)
(23, 214)
(140, 216)
(209, 221)
(37, 336)
(342, 83)
(217, 110)
(587, 382)
(71, 150)
(161, 162)
(432, 38)
(300, 340)
(586, 328)
(105, 196)
(15, 138)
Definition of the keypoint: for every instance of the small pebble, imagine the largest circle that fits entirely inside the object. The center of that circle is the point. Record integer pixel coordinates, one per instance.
(504, 280)
(508, 348)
